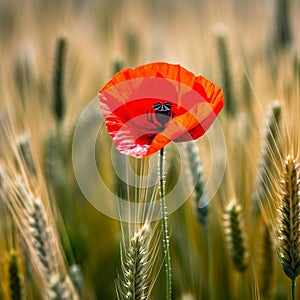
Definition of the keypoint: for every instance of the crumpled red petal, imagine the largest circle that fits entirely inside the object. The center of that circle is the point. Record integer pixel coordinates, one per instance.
(127, 100)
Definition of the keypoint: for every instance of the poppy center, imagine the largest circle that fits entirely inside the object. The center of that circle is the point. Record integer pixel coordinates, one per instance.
(162, 114)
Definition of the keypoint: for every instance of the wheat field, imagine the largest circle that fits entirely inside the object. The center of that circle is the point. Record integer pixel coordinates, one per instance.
(57, 244)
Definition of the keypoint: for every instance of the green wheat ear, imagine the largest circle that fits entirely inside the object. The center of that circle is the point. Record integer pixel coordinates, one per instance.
(15, 280)
(58, 80)
(226, 78)
(117, 66)
(282, 35)
(235, 236)
(25, 152)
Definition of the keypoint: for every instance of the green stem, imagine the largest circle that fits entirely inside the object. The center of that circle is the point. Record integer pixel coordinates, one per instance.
(243, 287)
(209, 293)
(293, 287)
(165, 233)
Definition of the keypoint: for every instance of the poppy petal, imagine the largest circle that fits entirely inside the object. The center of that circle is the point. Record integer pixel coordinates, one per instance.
(147, 107)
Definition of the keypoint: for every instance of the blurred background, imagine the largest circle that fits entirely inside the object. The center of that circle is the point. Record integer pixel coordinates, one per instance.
(248, 48)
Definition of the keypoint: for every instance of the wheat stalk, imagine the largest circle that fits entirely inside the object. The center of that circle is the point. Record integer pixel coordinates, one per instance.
(43, 246)
(40, 237)
(25, 151)
(58, 80)
(60, 288)
(137, 266)
(269, 154)
(289, 221)
(26, 198)
(225, 69)
(197, 174)
(43, 240)
(235, 236)
(283, 33)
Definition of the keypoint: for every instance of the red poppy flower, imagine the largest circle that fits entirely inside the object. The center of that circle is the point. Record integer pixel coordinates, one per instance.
(147, 107)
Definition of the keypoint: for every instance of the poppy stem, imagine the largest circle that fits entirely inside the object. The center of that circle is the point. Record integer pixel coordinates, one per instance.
(164, 213)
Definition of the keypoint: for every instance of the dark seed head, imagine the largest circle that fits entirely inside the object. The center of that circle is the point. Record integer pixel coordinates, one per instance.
(163, 112)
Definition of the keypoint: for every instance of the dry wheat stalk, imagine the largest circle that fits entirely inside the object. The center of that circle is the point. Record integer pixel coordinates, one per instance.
(35, 225)
(42, 243)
